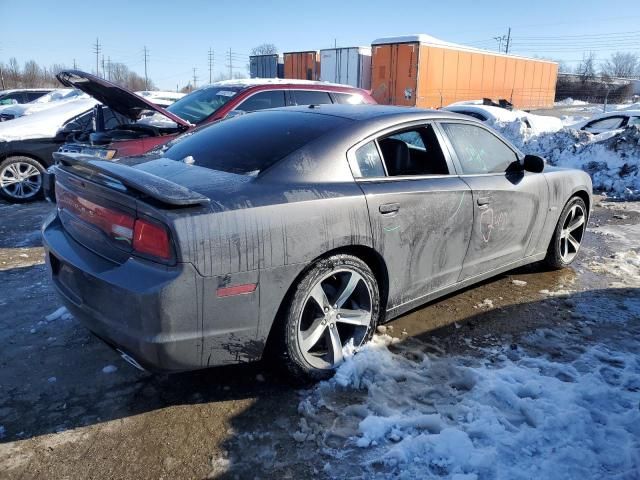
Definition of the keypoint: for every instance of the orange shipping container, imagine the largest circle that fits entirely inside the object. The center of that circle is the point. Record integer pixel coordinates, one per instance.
(302, 65)
(422, 71)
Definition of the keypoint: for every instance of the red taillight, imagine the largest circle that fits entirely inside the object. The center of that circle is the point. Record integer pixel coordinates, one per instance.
(130, 233)
(117, 225)
(151, 239)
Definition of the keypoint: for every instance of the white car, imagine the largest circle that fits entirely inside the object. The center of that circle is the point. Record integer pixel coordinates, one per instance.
(163, 99)
(492, 114)
(49, 100)
(609, 121)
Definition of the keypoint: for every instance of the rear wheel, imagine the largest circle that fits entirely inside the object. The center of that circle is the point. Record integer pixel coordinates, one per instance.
(21, 179)
(568, 235)
(335, 305)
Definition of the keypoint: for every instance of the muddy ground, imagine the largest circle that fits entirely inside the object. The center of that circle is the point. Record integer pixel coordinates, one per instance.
(71, 408)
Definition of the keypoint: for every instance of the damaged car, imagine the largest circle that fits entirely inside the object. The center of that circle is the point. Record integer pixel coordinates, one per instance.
(150, 125)
(294, 232)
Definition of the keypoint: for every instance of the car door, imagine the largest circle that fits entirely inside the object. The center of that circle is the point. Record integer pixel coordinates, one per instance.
(311, 97)
(421, 214)
(509, 204)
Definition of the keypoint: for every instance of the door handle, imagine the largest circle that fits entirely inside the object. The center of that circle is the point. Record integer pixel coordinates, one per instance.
(484, 201)
(388, 208)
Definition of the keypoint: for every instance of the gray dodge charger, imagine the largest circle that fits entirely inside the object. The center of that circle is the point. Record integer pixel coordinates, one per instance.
(296, 231)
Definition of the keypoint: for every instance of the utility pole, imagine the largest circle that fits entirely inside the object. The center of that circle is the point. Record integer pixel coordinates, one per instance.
(499, 40)
(75, 65)
(96, 50)
(506, 50)
(210, 64)
(146, 78)
(109, 68)
(104, 71)
(230, 65)
(195, 78)
(1, 77)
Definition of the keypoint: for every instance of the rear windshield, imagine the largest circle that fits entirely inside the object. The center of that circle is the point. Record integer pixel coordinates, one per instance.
(252, 142)
(200, 104)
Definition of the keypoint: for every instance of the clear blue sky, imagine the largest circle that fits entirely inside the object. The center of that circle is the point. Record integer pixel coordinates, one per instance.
(179, 34)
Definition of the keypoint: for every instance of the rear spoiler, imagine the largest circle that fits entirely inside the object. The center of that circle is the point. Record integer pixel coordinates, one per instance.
(158, 188)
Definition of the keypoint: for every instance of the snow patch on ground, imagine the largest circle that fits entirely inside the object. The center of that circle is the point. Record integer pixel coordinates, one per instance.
(518, 412)
(110, 369)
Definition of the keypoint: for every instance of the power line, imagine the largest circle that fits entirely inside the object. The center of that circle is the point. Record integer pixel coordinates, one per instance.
(195, 78)
(146, 78)
(96, 50)
(210, 64)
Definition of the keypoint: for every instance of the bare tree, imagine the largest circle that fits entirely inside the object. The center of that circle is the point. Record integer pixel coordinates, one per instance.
(586, 69)
(264, 49)
(32, 75)
(621, 64)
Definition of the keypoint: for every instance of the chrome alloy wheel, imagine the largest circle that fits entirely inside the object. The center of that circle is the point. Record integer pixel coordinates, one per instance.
(20, 180)
(572, 233)
(336, 311)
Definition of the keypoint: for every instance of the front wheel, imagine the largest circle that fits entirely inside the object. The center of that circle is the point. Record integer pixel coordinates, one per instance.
(335, 305)
(568, 235)
(21, 179)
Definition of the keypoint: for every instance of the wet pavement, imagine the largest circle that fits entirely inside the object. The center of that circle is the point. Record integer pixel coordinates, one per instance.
(71, 408)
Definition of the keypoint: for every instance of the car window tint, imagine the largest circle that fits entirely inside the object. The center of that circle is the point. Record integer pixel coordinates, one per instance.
(250, 143)
(414, 151)
(202, 103)
(31, 96)
(368, 162)
(263, 100)
(311, 97)
(348, 98)
(612, 122)
(478, 150)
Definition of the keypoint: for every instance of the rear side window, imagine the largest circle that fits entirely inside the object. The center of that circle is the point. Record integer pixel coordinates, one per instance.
(368, 162)
(348, 98)
(263, 100)
(249, 144)
(31, 96)
(311, 97)
(478, 150)
(634, 121)
(412, 152)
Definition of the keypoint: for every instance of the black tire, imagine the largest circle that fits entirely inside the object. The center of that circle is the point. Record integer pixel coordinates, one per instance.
(290, 351)
(555, 258)
(8, 193)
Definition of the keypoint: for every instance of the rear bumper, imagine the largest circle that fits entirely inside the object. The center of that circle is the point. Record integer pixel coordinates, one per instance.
(149, 312)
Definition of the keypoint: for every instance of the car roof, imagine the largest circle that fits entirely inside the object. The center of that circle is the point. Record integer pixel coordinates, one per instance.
(276, 82)
(366, 112)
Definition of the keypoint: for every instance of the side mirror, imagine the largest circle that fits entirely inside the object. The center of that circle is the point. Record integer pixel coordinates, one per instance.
(533, 163)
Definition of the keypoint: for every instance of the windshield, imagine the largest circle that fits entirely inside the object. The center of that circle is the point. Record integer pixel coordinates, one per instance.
(200, 104)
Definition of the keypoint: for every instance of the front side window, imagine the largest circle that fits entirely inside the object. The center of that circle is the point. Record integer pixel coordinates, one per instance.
(478, 150)
(634, 121)
(311, 97)
(368, 161)
(202, 103)
(263, 100)
(414, 151)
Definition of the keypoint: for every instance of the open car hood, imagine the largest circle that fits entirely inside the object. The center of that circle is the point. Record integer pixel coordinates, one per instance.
(113, 96)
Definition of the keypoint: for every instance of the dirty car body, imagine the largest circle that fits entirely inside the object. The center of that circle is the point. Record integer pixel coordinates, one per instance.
(185, 261)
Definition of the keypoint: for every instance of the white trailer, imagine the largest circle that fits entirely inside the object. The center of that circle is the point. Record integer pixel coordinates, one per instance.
(348, 66)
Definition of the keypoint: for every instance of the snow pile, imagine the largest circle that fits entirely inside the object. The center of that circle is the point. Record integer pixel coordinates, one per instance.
(552, 408)
(612, 159)
(570, 102)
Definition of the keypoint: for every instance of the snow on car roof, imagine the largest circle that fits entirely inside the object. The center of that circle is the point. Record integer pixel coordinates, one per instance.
(425, 39)
(44, 124)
